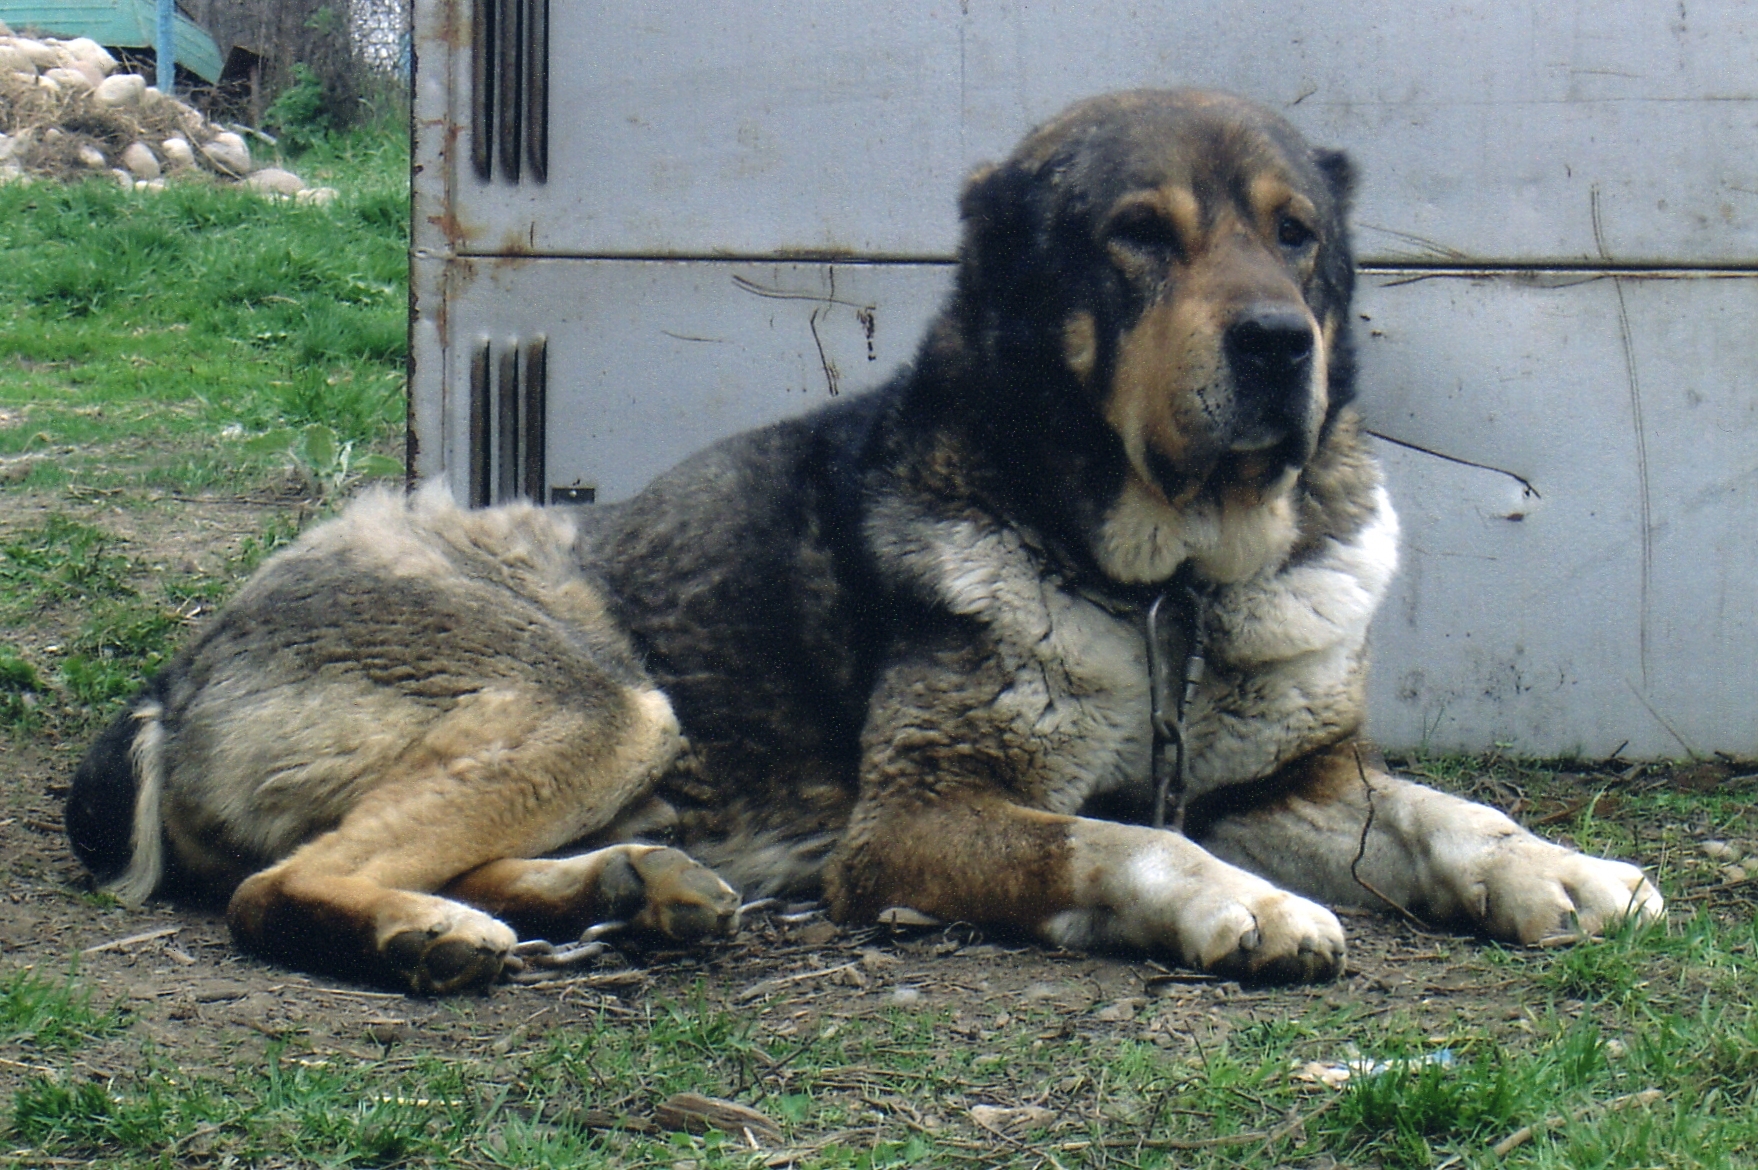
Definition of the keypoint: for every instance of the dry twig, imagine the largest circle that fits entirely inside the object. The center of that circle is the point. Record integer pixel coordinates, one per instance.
(118, 944)
(1526, 1133)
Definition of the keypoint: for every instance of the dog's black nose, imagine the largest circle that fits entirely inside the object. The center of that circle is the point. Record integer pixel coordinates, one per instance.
(1269, 343)
(1269, 349)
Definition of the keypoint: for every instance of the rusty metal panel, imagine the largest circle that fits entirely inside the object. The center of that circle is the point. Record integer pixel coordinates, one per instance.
(1504, 130)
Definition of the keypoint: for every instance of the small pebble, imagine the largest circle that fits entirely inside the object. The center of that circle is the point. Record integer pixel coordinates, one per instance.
(178, 152)
(275, 181)
(14, 61)
(141, 161)
(120, 90)
(227, 153)
(41, 55)
(1722, 851)
(88, 52)
(68, 77)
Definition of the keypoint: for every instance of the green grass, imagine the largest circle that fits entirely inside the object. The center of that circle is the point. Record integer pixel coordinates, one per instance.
(147, 336)
(897, 1088)
(280, 1108)
(45, 1016)
(198, 340)
(121, 619)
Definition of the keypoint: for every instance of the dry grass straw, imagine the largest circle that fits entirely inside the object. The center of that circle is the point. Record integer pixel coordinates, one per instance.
(52, 125)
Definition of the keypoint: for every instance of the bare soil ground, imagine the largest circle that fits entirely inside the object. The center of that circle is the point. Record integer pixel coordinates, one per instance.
(198, 1002)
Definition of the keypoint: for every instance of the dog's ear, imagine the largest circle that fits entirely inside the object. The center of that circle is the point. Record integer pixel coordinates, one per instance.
(970, 197)
(993, 208)
(1339, 171)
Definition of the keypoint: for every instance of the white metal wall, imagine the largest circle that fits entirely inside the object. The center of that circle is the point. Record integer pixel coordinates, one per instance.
(749, 207)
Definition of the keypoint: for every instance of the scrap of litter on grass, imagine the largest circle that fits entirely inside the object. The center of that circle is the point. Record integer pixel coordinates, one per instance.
(1336, 1076)
(694, 1113)
(67, 112)
(1010, 1120)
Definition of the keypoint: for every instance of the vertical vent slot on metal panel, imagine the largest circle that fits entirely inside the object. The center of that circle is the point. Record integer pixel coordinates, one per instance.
(482, 82)
(480, 494)
(506, 427)
(533, 439)
(537, 88)
(509, 77)
(508, 432)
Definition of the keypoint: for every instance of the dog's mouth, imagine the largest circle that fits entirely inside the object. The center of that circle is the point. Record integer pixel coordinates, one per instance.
(1263, 440)
(1256, 468)
(1256, 464)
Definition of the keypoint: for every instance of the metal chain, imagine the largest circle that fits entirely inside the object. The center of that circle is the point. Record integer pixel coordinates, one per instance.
(1171, 691)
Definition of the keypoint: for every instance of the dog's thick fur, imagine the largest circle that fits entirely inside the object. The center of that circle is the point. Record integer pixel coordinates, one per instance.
(903, 637)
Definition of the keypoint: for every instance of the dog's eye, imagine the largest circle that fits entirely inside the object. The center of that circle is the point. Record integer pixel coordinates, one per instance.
(1141, 230)
(1292, 233)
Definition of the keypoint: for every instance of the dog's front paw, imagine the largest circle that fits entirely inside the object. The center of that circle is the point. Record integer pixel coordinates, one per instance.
(460, 950)
(1529, 890)
(676, 895)
(1266, 935)
(1164, 893)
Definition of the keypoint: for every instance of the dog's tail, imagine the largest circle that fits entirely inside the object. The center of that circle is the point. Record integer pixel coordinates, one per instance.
(113, 808)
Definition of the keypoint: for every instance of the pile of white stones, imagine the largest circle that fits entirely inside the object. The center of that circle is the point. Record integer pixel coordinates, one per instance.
(66, 110)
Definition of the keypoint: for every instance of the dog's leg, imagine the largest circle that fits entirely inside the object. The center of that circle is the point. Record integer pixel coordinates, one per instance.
(326, 909)
(650, 887)
(1074, 881)
(1347, 832)
(358, 900)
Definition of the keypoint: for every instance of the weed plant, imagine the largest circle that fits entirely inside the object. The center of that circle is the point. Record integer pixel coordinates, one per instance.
(44, 1015)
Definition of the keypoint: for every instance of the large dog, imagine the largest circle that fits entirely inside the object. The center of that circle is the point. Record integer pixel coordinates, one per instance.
(1104, 556)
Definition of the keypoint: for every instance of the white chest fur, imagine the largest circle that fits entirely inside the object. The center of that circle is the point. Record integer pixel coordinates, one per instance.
(1286, 650)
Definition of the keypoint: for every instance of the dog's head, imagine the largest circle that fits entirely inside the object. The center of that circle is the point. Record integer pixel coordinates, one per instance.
(1161, 282)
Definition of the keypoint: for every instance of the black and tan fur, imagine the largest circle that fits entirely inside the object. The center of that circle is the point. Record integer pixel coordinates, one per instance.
(901, 637)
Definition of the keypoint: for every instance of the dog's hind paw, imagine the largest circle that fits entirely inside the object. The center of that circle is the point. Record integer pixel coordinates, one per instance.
(464, 954)
(672, 894)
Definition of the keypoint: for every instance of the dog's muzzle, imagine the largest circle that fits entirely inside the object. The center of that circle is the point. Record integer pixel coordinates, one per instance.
(1269, 350)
